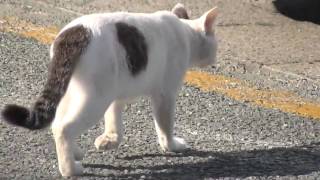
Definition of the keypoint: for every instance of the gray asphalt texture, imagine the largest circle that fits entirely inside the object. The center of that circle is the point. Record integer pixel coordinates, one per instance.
(229, 139)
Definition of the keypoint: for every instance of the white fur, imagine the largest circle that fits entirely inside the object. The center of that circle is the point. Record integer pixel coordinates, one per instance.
(102, 80)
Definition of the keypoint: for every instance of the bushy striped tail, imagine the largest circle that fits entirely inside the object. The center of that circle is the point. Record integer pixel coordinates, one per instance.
(67, 49)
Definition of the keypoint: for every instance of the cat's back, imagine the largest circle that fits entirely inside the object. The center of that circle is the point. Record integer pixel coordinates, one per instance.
(101, 22)
(163, 35)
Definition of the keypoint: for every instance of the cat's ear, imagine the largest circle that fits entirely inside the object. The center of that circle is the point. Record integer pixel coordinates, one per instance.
(208, 19)
(180, 11)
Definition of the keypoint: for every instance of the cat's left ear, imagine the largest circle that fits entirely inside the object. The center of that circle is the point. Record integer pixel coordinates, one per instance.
(180, 11)
(208, 19)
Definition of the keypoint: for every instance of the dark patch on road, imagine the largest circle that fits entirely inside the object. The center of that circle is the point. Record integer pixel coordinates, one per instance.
(291, 161)
(302, 10)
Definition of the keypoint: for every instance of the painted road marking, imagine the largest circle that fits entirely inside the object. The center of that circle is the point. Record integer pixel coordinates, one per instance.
(231, 87)
(242, 91)
(44, 35)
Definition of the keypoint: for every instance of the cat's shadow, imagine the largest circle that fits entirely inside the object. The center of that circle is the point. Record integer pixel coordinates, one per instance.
(293, 161)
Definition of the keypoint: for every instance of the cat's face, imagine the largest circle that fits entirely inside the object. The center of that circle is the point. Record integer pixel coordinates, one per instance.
(205, 26)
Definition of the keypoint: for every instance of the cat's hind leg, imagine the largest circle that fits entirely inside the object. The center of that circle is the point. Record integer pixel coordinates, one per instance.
(82, 111)
(164, 107)
(113, 134)
(61, 110)
(78, 153)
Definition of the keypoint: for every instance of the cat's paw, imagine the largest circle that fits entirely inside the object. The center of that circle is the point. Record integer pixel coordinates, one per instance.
(175, 145)
(76, 170)
(107, 142)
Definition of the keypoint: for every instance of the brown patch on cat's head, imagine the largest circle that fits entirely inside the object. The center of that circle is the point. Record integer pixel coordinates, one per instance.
(180, 11)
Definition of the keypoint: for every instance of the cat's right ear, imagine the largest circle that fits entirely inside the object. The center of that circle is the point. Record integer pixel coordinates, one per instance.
(180, 11)
(208, 19)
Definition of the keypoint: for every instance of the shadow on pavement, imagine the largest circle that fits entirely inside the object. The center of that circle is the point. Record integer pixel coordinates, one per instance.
(271, 162)
(302, 10)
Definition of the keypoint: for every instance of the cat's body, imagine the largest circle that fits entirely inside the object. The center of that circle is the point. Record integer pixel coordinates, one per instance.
(99, 61)
(106, 58)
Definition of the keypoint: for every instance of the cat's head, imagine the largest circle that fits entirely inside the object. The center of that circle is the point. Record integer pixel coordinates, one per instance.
(204, 27)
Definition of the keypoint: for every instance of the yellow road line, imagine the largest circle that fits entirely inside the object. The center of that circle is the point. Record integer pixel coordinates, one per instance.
(42, 34)
(231, 87)
(242, 91)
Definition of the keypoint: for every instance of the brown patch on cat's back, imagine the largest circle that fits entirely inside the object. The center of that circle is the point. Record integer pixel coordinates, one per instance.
(133, 41)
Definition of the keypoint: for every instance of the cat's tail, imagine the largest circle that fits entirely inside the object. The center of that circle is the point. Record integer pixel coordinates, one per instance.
(69, 45)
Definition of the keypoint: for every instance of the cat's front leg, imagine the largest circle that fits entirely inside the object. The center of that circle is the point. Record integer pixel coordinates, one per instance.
(113, 134)
(164, 107)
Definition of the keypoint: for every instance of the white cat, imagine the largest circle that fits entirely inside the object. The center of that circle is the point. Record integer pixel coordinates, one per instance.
(101, 60)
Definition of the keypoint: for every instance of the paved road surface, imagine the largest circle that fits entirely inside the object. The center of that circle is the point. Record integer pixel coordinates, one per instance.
(257, 118)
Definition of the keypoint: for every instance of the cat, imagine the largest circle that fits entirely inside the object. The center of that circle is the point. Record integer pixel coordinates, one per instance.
(99, 61)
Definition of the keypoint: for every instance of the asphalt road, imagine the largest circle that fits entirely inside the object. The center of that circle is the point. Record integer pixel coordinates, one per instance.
(229, 139)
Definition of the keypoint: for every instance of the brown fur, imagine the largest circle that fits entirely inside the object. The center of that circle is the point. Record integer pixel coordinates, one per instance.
(180, 12)
(135, 45)
(67, 49)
